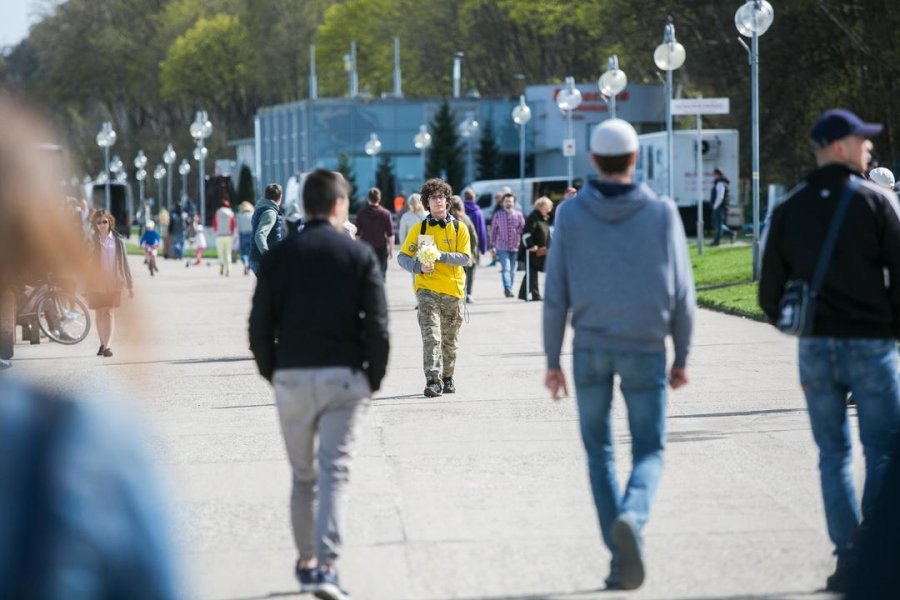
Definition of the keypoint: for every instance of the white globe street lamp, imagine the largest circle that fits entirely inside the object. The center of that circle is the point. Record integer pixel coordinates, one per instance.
(568, 99)
(467, 130)
(140, 161)
(521, 114)
(422, 141)
(158, 174)
(106, 137)
(669, 56)
(201, 129)
(752, 20)
(373, 149)
(612, 83)
(169, 158)
(184, 169)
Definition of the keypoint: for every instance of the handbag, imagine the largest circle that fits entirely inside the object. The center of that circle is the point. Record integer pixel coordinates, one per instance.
(797, 309)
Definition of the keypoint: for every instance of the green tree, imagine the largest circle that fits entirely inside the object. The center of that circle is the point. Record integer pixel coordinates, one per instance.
(345, 168)
(211, 65)
(385, 180)
(246, 191)
(489, 157)
(445, 156)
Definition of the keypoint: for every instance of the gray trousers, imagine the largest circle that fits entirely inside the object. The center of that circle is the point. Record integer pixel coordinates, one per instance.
(324, 403)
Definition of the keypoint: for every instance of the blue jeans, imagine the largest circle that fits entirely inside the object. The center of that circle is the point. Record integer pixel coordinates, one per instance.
(643, 383)
(178, 245)
(507, 260)
(245, 240)
(829, 369)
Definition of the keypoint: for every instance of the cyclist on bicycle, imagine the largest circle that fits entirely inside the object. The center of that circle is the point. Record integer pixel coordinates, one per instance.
(150, 241)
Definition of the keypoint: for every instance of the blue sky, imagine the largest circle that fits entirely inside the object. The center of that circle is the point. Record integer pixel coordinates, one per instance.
(15, 17)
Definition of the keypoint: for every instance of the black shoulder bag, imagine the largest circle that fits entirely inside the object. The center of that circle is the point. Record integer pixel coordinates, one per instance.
(798, 303)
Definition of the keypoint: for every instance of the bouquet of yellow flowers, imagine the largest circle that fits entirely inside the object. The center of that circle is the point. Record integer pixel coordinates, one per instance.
(428, 254)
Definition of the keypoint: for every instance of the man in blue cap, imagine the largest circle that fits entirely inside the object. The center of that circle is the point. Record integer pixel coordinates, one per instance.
(852, 345)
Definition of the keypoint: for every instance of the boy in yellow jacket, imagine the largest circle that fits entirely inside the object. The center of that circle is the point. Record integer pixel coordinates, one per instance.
(440, 287)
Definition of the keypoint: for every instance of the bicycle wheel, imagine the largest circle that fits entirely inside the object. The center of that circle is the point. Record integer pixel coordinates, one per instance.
(63, 318)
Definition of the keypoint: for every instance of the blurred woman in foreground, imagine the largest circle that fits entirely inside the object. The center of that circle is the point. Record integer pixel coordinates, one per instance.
(79, 515)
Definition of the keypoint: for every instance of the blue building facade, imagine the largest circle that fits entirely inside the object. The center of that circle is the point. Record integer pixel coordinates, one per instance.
(308, 134)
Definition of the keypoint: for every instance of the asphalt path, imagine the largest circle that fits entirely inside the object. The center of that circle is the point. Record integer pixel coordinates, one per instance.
(478, 496)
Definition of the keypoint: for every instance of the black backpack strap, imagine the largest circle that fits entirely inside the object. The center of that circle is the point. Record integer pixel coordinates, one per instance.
(424, 225)
(833, 231)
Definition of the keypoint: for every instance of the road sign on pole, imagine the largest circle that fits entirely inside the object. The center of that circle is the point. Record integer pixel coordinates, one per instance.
(568, 147)
(701, 106)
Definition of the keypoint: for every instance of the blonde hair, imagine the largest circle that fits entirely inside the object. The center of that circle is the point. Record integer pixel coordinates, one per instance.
(414, 202)
(543, 201)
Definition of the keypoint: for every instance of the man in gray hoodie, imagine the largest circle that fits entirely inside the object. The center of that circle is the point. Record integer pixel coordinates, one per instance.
(619, 264)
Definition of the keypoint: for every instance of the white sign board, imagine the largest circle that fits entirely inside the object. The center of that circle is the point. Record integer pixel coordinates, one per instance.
(568, 147)
(700, 106)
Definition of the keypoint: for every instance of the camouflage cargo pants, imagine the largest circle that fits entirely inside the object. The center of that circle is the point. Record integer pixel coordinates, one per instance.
(440, 317)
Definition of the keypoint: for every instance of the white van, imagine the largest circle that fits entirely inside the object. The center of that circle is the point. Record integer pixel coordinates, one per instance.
(535, 187)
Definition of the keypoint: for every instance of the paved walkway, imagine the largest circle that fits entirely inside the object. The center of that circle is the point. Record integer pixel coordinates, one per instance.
(481, 495)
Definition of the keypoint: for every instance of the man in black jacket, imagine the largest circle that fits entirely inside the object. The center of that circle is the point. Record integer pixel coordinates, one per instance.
(319, 333)
(852, 346)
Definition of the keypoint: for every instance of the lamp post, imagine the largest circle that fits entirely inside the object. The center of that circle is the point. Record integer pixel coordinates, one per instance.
(140, 161)
(752, 20)
(201, 129)
(350, 67)
(467, 129)
(373, 148)
(568, 99)
(184, 169)
(521, 114)
(169, 158)
(668, 57)
(105, 139)
(612, 82)
(422, 141)
(158, 173)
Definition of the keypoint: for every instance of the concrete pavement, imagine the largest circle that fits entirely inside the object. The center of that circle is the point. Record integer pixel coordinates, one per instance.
(481, 495)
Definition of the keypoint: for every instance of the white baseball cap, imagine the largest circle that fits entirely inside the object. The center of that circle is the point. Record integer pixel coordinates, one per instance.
(882, 177)
(614, 137)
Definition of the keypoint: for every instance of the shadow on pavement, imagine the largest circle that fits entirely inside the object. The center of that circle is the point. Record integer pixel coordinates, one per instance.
(749, 413)
(241, 406)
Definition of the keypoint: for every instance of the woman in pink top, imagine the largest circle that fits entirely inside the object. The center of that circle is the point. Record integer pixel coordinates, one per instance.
(105, 292)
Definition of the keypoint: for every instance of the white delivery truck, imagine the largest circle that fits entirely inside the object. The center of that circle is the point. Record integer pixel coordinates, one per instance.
(719, 149)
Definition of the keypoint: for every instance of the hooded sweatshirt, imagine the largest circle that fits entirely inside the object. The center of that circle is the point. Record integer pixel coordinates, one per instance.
(619, 263)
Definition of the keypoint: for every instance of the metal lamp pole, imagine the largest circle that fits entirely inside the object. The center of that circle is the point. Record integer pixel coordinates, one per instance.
(612, 82)
(169, 158)
(158, 173)
(467, 129)
(201, 129)
(373, 148)
(105, 139)
(521, 114)
(752, 20)
(184, 169)
(668, 57)
(568, 99)
(422, 141)
(140, 161)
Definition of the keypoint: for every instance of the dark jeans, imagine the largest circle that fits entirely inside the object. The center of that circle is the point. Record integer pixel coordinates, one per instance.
(829, 369)
(178, 245)
(470, 279)
(533, 283)
(718, 223)
(382, 263)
